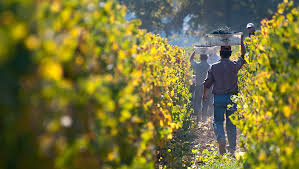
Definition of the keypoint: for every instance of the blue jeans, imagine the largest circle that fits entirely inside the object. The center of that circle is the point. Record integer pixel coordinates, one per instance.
(221, 102)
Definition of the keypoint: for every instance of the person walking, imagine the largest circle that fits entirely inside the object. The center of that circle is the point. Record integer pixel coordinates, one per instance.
(251, 29)
(201, 70)
(213, 57)
(223, 76)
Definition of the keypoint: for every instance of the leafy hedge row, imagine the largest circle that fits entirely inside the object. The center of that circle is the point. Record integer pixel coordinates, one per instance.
(83, 88)
(268, 102)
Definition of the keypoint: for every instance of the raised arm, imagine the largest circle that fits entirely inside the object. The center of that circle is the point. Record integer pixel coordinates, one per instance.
(192, 56)
(241, 61)
(243, 49)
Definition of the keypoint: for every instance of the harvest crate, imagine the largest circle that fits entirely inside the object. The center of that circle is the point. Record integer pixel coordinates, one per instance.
(223, 39)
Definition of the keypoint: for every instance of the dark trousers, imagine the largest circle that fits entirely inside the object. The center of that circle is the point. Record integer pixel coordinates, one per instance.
(221, 102)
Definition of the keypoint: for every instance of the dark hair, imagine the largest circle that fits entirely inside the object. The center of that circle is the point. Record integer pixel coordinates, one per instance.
(225, 54)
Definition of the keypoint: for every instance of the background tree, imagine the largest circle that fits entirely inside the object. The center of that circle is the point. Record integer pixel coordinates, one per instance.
(168, 17)
(154, 14)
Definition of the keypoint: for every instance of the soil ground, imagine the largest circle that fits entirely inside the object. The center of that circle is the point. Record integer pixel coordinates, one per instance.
(205, 137)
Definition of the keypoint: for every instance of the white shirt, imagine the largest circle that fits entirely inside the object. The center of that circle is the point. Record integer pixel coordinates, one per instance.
(212, 59)
(201, 71)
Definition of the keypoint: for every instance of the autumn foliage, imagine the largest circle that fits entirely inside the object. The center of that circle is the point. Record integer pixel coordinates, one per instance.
(81, 87)
(268, 101)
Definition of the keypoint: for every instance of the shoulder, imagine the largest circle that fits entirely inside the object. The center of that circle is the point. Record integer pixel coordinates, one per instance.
(216, 63)
(205, 64)
(213, 66)
(194, 62)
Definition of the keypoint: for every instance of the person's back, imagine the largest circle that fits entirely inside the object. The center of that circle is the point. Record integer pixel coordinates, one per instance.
(201, 70)
(224, 77)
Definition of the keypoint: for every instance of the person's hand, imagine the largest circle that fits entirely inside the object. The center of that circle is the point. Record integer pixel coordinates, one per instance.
(204, 98)
(192, 56)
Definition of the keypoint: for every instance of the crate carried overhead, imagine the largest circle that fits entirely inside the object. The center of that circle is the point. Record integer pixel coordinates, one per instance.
(225, 39)
(222, 38)
(203, 49)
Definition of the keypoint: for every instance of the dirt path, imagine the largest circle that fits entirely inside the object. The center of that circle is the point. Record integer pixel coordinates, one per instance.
(205, 137)
(200, 137)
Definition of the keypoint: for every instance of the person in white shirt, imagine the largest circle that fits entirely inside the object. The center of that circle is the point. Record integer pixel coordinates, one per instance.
(201, 70)
(213, 57)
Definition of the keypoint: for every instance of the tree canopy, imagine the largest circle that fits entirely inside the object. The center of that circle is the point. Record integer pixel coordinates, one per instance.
(169, 16)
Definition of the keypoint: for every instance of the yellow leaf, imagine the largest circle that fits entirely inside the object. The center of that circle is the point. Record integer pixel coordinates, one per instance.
(19, 31)
(32, 42)
(262, 156)
(55, 7)
(240, 155)
(150, 125)
(161, 123)
(101, 115)
(125, 115)
(79, 60)
(288, 150)
(51, 70)
(136, 119)
(286, 111)
(110, 156)
(284, 87)
(172, 93)
(50, 46)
